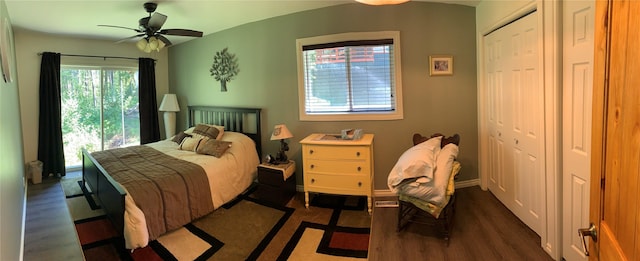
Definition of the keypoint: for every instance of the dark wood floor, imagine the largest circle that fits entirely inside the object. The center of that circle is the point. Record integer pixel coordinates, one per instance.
(49, 231)
(483, 229)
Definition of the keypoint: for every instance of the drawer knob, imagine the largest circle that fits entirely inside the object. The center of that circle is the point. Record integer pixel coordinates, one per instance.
(359, 168)
(359, 184)
(310, 151)
(358, 154)
(312, 166)
(313, 180)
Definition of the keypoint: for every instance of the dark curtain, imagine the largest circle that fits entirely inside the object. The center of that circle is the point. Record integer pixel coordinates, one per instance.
(149, 126)
(50, 147)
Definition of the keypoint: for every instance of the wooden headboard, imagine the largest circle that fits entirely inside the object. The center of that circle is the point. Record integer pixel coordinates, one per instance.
(243, 120)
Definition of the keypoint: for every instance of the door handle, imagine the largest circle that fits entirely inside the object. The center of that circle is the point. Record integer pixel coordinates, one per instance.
(584, 232)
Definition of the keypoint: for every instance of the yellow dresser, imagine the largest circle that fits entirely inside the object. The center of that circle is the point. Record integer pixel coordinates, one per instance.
(337, 166)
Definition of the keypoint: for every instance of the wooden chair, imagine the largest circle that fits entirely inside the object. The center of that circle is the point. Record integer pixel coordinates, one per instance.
(415, 210)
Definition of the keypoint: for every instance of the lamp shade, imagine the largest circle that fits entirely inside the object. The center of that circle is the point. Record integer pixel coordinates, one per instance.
(169, 103)
(149, 44)
(280, 132)
(382, 2)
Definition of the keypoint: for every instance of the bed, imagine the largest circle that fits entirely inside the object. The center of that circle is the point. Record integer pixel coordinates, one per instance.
(423, 179)
(227, 176)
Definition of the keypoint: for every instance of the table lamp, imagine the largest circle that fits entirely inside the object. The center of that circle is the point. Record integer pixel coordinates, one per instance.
(169, 106)
(280, 132)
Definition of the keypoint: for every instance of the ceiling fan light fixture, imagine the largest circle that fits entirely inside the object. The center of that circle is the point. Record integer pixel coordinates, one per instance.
(161, 45)
(153, 43)
(141, 44)
(382, 2)
(152, 37)
(150, 44)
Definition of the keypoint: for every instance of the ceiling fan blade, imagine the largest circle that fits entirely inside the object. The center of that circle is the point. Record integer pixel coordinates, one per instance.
(128, 38)
(164, 40)
(122, 27)
(157, 20)
(181, 32)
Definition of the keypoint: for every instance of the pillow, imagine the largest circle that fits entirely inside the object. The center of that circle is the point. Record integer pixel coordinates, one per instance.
(418, 161)
(190, 143)
(220, 129)
(207, 130)
(213, 147)
(180, 136)
(444, 165)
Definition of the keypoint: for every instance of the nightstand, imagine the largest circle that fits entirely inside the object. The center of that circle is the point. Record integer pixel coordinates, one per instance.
(276, 182)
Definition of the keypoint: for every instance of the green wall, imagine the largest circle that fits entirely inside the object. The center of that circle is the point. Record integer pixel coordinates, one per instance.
(12, 182)
(268, 76)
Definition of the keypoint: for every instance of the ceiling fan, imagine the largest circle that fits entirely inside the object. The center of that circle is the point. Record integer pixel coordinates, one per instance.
(150, 29)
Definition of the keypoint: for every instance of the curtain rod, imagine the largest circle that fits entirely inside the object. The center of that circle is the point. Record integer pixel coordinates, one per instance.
(97, 56)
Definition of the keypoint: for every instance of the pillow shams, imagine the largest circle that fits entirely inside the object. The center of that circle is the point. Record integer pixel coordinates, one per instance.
(213, 147)
(207, 130)
(180, 136)
(204, 130)
(190, 143)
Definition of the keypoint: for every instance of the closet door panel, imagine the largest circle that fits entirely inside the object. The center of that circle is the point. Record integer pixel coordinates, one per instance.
(515, 119)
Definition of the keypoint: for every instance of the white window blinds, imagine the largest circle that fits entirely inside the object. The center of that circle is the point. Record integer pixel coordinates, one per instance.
(350, 77)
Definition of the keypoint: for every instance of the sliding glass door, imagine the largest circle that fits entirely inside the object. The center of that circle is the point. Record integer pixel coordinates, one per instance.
(99, 110)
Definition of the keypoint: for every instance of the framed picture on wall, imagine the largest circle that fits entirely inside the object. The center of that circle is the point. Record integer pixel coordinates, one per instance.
(440, 65)
(6, 48)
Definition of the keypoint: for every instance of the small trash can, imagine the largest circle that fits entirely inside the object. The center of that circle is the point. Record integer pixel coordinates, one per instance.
(35, 171)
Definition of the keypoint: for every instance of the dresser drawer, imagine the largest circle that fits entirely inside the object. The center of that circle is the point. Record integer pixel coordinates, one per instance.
(347, 167)
(335, 152)
(337, 184)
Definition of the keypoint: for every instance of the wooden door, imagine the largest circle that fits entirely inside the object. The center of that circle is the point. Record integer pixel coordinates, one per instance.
(515, 113)
(577, 90)
(615, 185)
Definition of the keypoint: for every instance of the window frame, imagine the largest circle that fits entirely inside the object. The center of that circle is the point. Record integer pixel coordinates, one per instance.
(396, 114)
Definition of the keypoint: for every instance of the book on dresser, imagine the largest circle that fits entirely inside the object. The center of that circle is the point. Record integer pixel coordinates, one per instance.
(338, 166)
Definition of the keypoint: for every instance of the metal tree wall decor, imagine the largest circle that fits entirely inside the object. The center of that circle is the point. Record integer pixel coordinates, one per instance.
(224, 68)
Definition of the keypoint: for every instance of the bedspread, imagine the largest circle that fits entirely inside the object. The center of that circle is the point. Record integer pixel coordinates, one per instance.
(169, 191)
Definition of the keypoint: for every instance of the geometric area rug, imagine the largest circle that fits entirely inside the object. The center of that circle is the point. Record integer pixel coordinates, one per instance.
(331, 238)
(240, 230)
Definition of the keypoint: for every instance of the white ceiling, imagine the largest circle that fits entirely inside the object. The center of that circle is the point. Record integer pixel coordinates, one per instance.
(79, 18)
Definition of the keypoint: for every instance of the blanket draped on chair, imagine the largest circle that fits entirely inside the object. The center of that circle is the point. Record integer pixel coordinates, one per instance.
(424, 171)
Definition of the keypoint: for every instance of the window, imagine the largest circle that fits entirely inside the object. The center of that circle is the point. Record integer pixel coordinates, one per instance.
(99, 110)
(351, 76)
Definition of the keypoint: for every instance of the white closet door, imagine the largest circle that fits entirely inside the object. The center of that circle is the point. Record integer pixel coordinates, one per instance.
(495, 64)
(577, 90)
(515, 98)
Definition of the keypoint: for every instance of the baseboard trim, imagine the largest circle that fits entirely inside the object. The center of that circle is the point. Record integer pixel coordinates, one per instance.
(467, 183)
